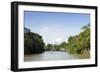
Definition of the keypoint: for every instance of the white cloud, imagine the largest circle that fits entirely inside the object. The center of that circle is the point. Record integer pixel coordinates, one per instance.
(52, 35)
(44, 29)
(58, 40)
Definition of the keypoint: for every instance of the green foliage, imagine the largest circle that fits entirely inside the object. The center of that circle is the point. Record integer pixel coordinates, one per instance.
(33, 43)
(81, 42)
(49, 47)
(56, 47)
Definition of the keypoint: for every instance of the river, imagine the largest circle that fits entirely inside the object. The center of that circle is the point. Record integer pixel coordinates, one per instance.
(49, 55)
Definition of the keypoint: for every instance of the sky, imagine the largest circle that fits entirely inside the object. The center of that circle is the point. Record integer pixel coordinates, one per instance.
(55, 27)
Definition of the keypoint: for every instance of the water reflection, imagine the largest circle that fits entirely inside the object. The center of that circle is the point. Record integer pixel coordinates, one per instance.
(48, 55)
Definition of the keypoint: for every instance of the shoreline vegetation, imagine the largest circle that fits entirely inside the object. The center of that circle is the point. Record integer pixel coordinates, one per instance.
(77, 45)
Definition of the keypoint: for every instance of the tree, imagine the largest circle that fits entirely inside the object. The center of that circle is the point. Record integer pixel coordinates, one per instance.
(57, 47)
(33, 43)
(80, 42)
(49, 47)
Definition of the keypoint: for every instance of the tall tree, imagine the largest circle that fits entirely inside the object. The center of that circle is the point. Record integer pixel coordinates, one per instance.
(33, 43)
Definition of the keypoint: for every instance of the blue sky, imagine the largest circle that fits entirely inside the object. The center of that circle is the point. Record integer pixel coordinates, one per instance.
(55, 27)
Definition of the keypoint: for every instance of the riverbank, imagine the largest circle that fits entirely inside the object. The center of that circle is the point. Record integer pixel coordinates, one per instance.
(85, 55)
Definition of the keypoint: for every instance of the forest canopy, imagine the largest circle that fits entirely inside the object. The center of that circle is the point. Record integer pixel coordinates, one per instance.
(33, 42)
(81, 42)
